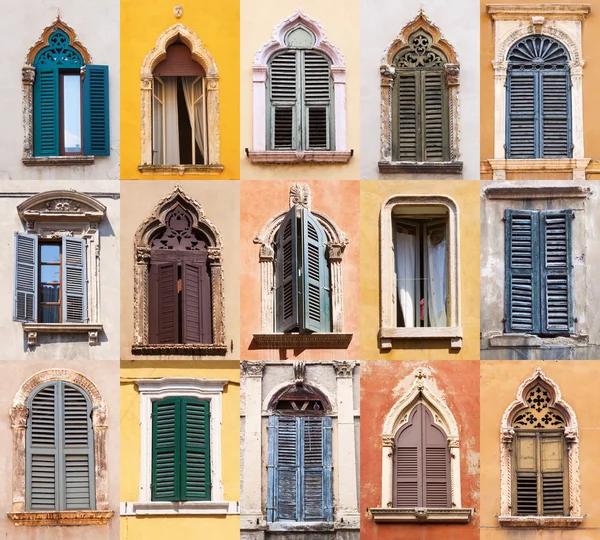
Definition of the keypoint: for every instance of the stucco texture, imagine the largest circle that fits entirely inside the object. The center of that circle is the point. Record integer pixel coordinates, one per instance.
(198, 527)
(457, 384)
(500, 381)
(220, 202)
(342, 29)
(260, 201)
(372, 196)
(217, 24)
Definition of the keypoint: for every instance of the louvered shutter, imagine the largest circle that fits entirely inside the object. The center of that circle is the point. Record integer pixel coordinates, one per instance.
(96, 123)
(434, 104)
(287, 468)
(522, 89)
(74, 280)
(557, 315)
(525, 462)
(522, 271)
(315, 275)
(45, 112)
(195, 450)
(166, 449)
(164, 309)
(196, 308)
(316, 469)
(408, 465)
(407, 118)
(286, 274)
(436, 463)
(284, 95)
(26, 277)
(556, 121)
(316, 78)
(554, 474)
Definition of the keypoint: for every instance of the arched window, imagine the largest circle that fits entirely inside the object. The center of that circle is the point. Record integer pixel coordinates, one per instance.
(538, 95)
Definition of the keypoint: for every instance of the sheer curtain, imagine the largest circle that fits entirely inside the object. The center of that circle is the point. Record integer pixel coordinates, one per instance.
(405, 272)
(157, 122)
(194, 102)
(436, 258)
(171, 126)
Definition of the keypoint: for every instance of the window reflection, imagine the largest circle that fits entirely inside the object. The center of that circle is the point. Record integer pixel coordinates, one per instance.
(71, 111)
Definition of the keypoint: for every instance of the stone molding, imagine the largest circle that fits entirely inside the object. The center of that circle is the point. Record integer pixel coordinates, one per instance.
(61, 519)
(253, 368)
(168, 508)
(344, 369)
(429, 167)
(389, 333)
(573, 169)
(43, 161)
(314, 340)
(546, 522)
(179, 32)
(289, 157)
(181, 170)
(421, 515)
(510, 190)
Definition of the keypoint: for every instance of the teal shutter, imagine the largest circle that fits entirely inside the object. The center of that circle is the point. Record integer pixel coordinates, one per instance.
(26, 277)
(166, 449)
(283, 96)
(316, 79)
(45, 112)
(555, 117)
(195, 445)
(96, 123)
(522, 115)
(74, 280)
(286, 274)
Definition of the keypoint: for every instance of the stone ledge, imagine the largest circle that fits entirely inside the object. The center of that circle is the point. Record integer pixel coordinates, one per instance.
(574, 166)
(188, 349)
(421, 515)
(180, 170)
(556, 522)
(512, 191)
(531, 340)
(424, 167)
(33, 329)
(179, 508)
(63, 518)
(387, 336)
(43, 161)
(290, 157)
(301, 526)
(526, 11)
(316, 340)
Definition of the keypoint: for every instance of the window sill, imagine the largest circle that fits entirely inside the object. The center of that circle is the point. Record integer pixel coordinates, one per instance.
(77, 517)
(531, 340)
(575, 166)
(317, 340)
(301, 526)
(291, 157)
(169, 508)
(33, 329)
(421, 515)
(181, 169)
(40, 161)
(387, 336)
(187, 349)
(554, 522)
(439, 167)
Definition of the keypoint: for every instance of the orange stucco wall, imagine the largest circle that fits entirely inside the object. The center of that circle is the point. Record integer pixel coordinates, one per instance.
(259, 202)
(382, 384)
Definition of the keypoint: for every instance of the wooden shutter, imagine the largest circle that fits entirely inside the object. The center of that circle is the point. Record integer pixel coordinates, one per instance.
(196, 304)
(555, 117)
(164, 303)
(522, 114)
(317, 500)
(195, 450)
(554, 474)
(316, 79)
(45, 112)
(287, 469)
(26, 277)
(436, 463)
(408, 464)
(286, 274)
(434, 117)
(96, 117)
(557, 315)
(166, 449)
(315, 276)
(74, 280)
(284, 95)
(525, 463)
(407, 117)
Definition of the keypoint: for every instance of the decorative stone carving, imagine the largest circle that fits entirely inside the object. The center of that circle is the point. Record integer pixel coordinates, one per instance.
(388, 442)
(253, 369)
(18, 417)
(343, 370)
(31, 339)
(63, 205)
(299, 372)
(300, 196)
(178, 11)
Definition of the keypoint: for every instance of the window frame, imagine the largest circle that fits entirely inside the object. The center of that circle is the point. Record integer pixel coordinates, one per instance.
(61, 112)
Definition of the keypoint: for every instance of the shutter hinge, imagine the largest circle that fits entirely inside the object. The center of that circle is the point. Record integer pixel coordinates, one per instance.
(503, 218)
(504, 146)
(503, 320)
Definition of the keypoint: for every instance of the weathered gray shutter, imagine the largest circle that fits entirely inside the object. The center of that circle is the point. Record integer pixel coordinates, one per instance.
(26, 277)
(555, 114)
(525, 464)
(316, 78)
(74, 280)
(316, 469)
(287, 462)
(435, 131)
(284, 95)
(407, 117)
(554, 472)
(286, 274)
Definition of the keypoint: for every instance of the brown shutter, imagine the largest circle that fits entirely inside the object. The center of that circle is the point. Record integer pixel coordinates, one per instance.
(408, 468)
(526, 469)
(554, 481)
(178, 62)
(163, 312)
(196, 309)
(437, 463)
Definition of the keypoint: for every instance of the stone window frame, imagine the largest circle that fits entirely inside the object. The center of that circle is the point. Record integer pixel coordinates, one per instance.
(151, 390)
(391, 335)
(142, 254)
(300, 197)
(507, 433)
(179, 32)
(68, 213)
(260, 69)
(512, 23)
(388, 75)
(19, 413)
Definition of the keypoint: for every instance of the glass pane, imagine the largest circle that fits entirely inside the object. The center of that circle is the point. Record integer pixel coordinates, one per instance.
(50, 293)
(71, 107)
(50, 314)
(50, 253)
(50, 273)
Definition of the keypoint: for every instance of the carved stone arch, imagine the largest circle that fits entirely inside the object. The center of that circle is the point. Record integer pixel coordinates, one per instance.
(279, 389)
(61, 203)
(179, 32)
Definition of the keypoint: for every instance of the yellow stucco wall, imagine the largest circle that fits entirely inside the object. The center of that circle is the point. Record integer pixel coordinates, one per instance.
(218, 27)
(500, 381)
(189, 527)
(341, 26)
(466, 195)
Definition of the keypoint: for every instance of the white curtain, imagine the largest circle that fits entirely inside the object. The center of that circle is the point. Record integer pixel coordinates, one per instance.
(157, 123)
(405, 272)
(193, 93)
(436, 257)
(171, 122)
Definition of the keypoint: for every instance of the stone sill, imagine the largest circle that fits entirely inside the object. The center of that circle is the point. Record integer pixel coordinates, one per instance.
(556, 522)
(42, 161)
(290, 157)
(181, 169)
(573, 166)
(513, 12)
(294, 340)
(421, 515)
(63, 518)
(424, 167)
(33, 329)
(530, 340)
(187, 349)
(387, 336)
(510, 191)
(171, 508)
(301, 526)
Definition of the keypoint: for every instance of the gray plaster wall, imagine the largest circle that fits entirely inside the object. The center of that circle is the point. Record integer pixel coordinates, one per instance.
(381, 23)
(61, 347)
(98, 30)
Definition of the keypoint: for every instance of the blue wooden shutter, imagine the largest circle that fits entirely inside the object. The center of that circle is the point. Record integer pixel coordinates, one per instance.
(286, 274)
(166, 449)
(74, 280)
(283, 97)
(96, 122)
(287, 475)
(317, 503)
(271, 466)
(557, 316)
(45, 112)
(555, 114)
(195, 450)
(316, 88)
(316, 298)
(522, 115)
(26, 277)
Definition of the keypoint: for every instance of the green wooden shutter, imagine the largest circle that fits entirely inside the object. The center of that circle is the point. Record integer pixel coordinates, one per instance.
(522, 115)
(166, 449)
(316, 298)
(434, 117)
(525, 465)
(74, 280)
(407, 134)
(316, 87)
(195, 450)
(554, 471)
(26, 277)
(286, 274)
(45, 112)
(96, 118)
(283, 97)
